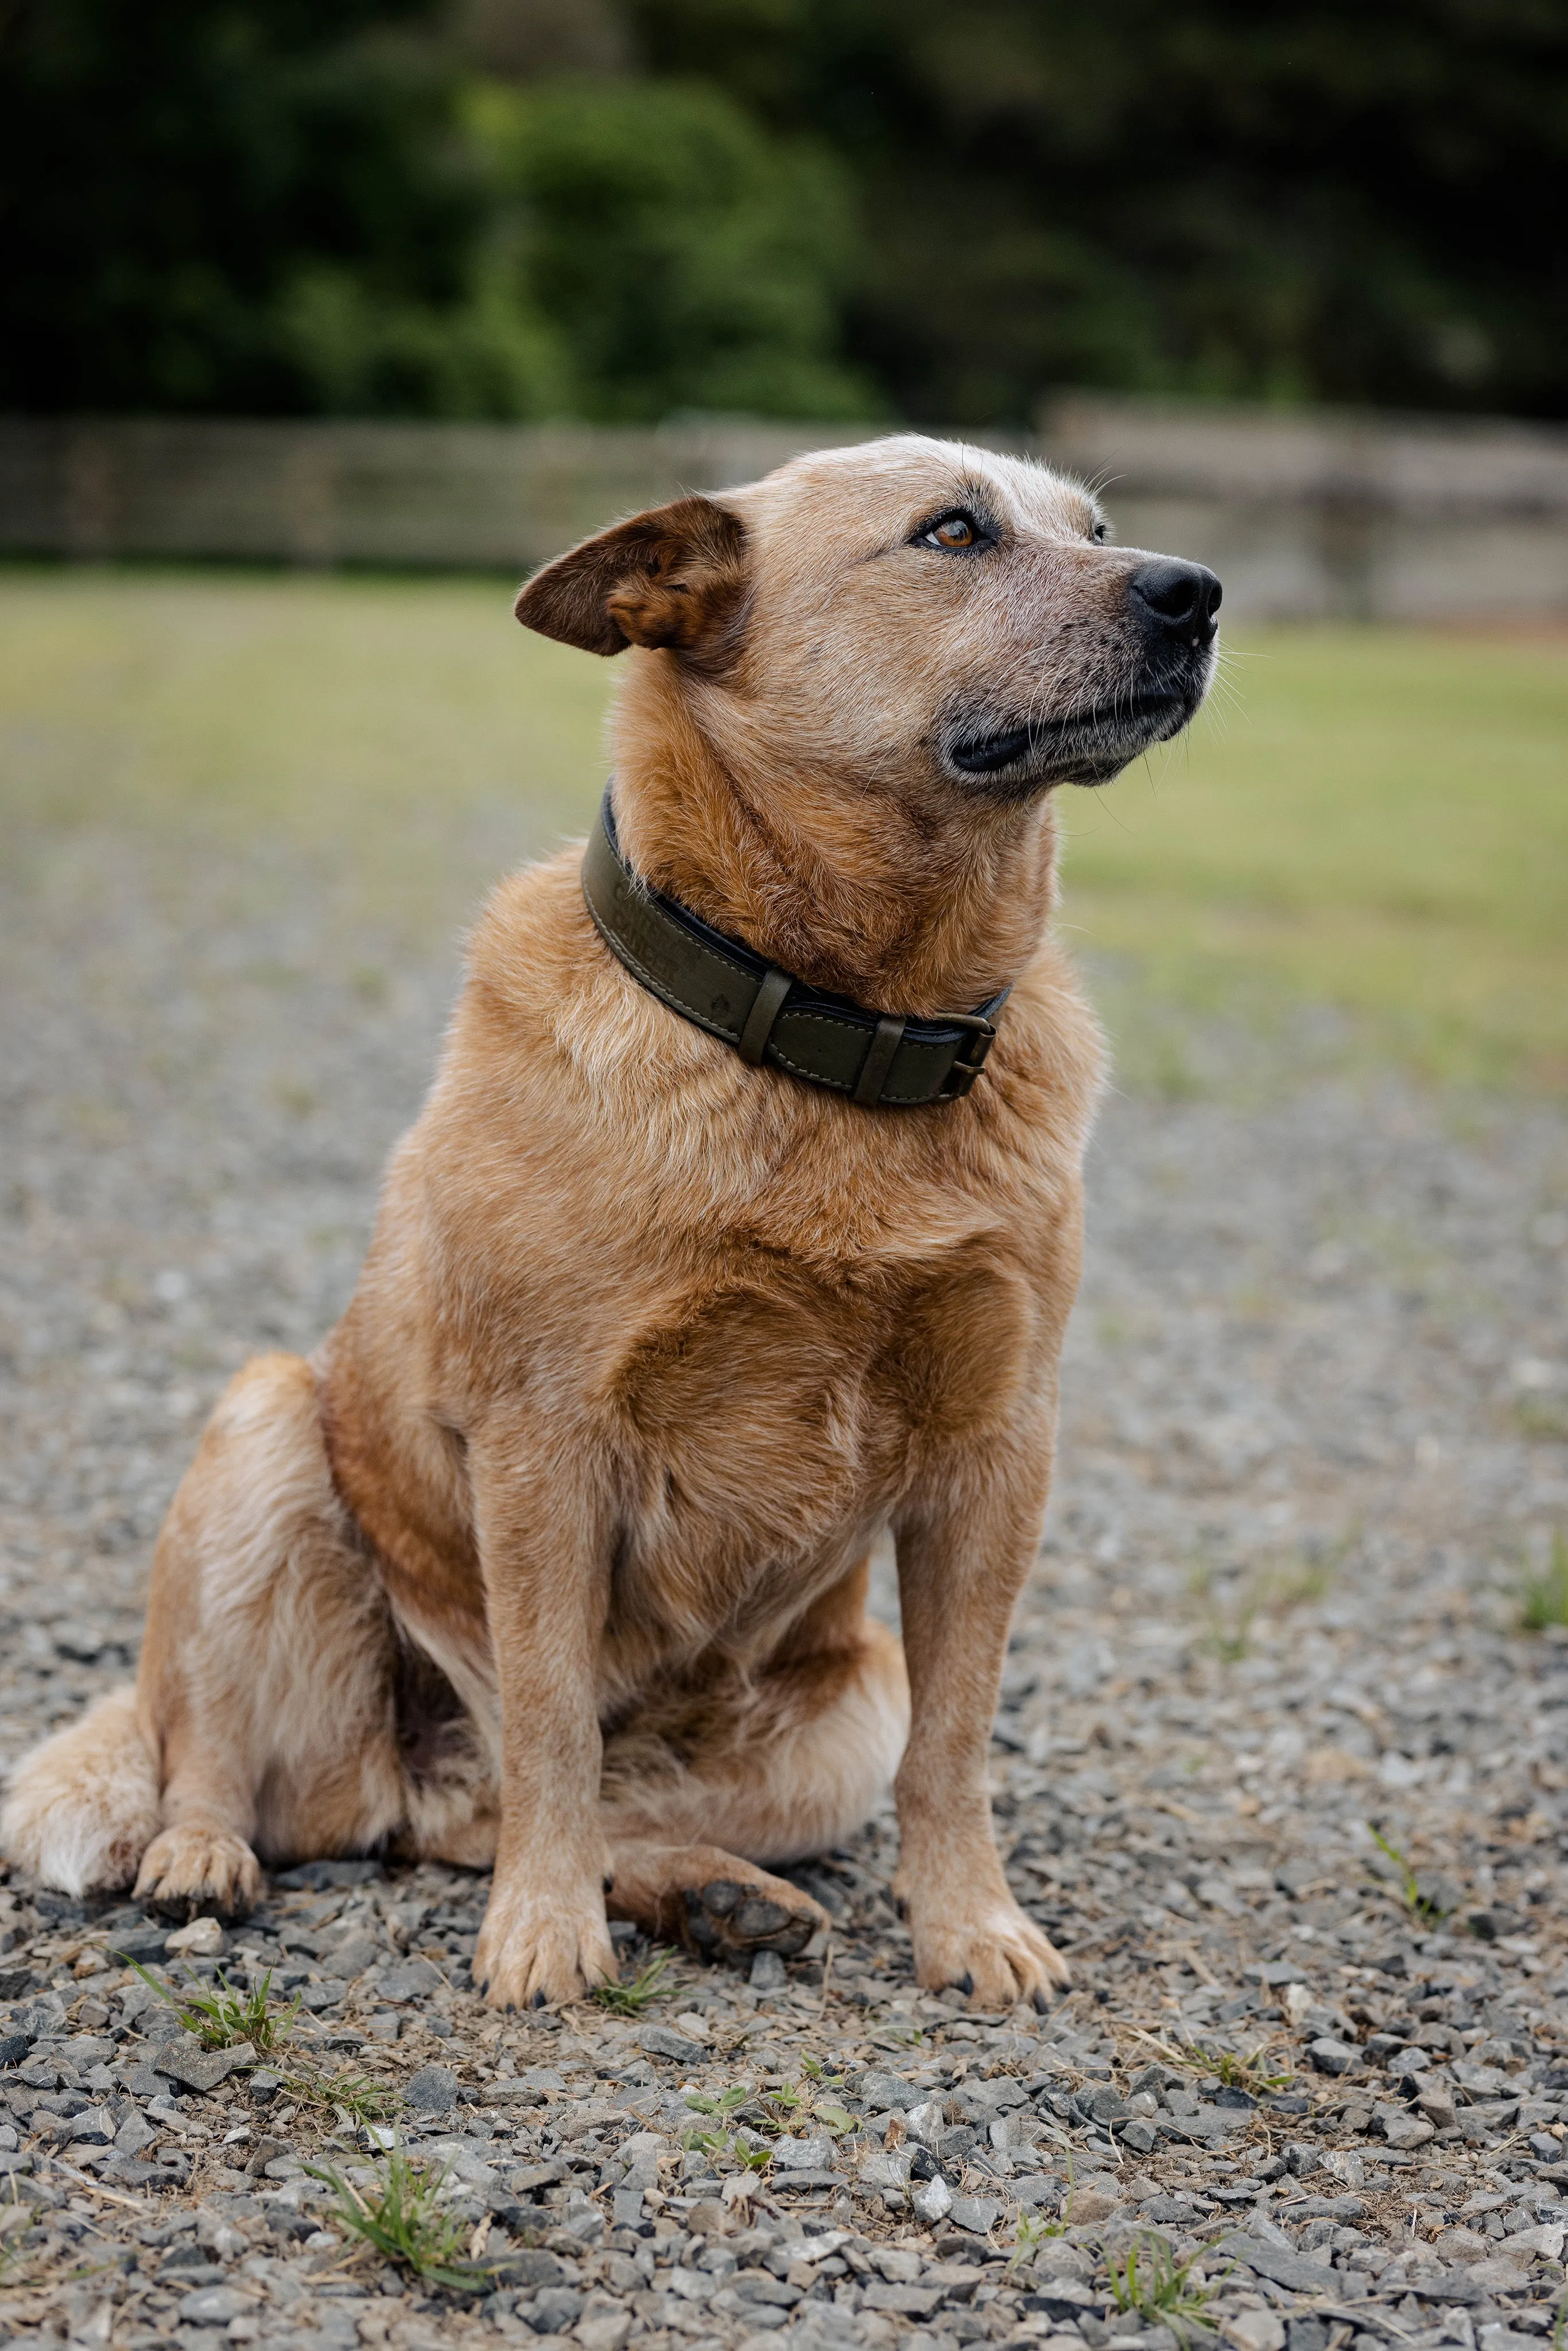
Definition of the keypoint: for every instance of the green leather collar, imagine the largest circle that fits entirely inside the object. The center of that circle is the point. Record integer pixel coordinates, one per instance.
(879, 1059)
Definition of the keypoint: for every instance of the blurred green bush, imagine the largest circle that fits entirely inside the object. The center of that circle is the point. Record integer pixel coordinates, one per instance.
(932, 208)
(687, 257)
(262, 207)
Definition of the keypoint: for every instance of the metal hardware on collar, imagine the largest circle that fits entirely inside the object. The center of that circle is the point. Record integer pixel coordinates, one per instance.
(879, 1059)
(963, 1074)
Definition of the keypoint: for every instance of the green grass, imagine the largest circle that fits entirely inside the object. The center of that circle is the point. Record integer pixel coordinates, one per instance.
(1151, 2281)
(1264, 1597)
(1410, 1891)
(630, 1998)
(224, 2018)
(765, 2113)
(405, 739)
(353, 2098)
(402, 2219)
(1030, 2230)
(1544, 1601)
(1253, 2072)
(1372, 820)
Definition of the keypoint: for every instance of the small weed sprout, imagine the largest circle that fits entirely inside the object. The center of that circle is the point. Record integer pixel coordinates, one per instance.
(1268, 1593)
(1541, 1417)
(1544, 1600)
(810, 2101)
(355, 2096)
(718, 2144)
(224, 2017)
(1250, 2072)
(718, 2141)
(402, 2219)
(1031, 2233)
(632, 1998)
(1409, 1884)
(821, 2099)
(765, 2113)
(1150, 2281)
(832, 2118)
(724, 2105)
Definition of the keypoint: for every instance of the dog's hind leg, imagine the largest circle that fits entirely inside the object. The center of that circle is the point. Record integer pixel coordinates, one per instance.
(266, 1675)
(710, 1898)
(83, 1807)
(263, 1703)
(700, 1794)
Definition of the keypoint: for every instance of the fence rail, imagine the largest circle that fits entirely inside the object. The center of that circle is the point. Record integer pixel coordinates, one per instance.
(1314, 514)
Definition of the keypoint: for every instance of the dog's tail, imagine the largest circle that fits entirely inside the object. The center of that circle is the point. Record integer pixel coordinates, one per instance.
(84, 1807)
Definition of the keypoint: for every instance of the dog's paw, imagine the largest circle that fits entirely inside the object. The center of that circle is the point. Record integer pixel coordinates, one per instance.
(534, 1951)
(998, 1958)
(753, 1911)
(196, 1872)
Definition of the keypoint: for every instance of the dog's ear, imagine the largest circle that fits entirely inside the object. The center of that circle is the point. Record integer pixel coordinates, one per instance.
(673, 577)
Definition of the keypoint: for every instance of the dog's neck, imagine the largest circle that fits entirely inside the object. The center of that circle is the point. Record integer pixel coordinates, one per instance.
(833, 878)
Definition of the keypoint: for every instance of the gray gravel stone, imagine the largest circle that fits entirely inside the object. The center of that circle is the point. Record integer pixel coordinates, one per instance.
(1278, 2262)
(186, 2062)
(660, 2042)
(979, 2214)
(432, 2091)
(212, 2305)
(410, 1980)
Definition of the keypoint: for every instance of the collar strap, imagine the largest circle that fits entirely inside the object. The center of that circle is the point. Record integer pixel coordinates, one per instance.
(878, 1058)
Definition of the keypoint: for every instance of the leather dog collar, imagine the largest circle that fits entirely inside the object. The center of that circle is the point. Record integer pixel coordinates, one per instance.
(878, 1058)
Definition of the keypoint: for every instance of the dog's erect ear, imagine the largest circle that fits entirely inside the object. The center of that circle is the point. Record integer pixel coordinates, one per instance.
(673, 577)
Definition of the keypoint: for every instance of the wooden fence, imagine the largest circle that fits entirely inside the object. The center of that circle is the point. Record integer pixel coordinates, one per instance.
(1316, 513)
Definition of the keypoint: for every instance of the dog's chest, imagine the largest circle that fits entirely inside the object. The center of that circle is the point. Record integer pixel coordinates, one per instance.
(767, 1426)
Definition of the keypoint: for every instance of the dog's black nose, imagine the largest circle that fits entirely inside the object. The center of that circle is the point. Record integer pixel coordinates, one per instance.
(1183, 597)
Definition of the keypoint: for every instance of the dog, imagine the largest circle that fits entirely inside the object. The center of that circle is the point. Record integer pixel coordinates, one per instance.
(742, 1223)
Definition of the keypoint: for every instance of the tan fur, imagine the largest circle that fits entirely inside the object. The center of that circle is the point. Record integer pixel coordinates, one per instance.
(83, 1807)
(651, 1343)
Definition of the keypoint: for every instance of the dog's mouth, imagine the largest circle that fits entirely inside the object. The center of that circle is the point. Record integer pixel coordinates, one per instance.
(1088, 746)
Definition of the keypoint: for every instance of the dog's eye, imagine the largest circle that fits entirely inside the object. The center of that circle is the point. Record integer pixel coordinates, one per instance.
(954, 531)
(1100, 533)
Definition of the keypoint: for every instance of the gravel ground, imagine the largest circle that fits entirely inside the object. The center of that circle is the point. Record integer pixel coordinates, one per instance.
(1314, 1450)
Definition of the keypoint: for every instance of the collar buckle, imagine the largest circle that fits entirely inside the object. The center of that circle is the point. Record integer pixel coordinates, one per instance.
(981, 1036)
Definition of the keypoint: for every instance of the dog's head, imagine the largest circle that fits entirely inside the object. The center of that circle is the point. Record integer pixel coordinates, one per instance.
(934, 618)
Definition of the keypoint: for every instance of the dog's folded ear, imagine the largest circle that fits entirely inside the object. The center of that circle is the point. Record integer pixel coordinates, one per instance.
(674, 577)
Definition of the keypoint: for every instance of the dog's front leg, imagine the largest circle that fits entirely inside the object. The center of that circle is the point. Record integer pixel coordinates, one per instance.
(544, 1551)
(961, 1564)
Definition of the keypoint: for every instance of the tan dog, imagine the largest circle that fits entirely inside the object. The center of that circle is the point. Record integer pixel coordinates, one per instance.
(554, 1555)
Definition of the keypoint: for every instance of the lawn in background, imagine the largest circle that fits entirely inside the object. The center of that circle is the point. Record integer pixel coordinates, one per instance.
(1371, 820)
(404, 737)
